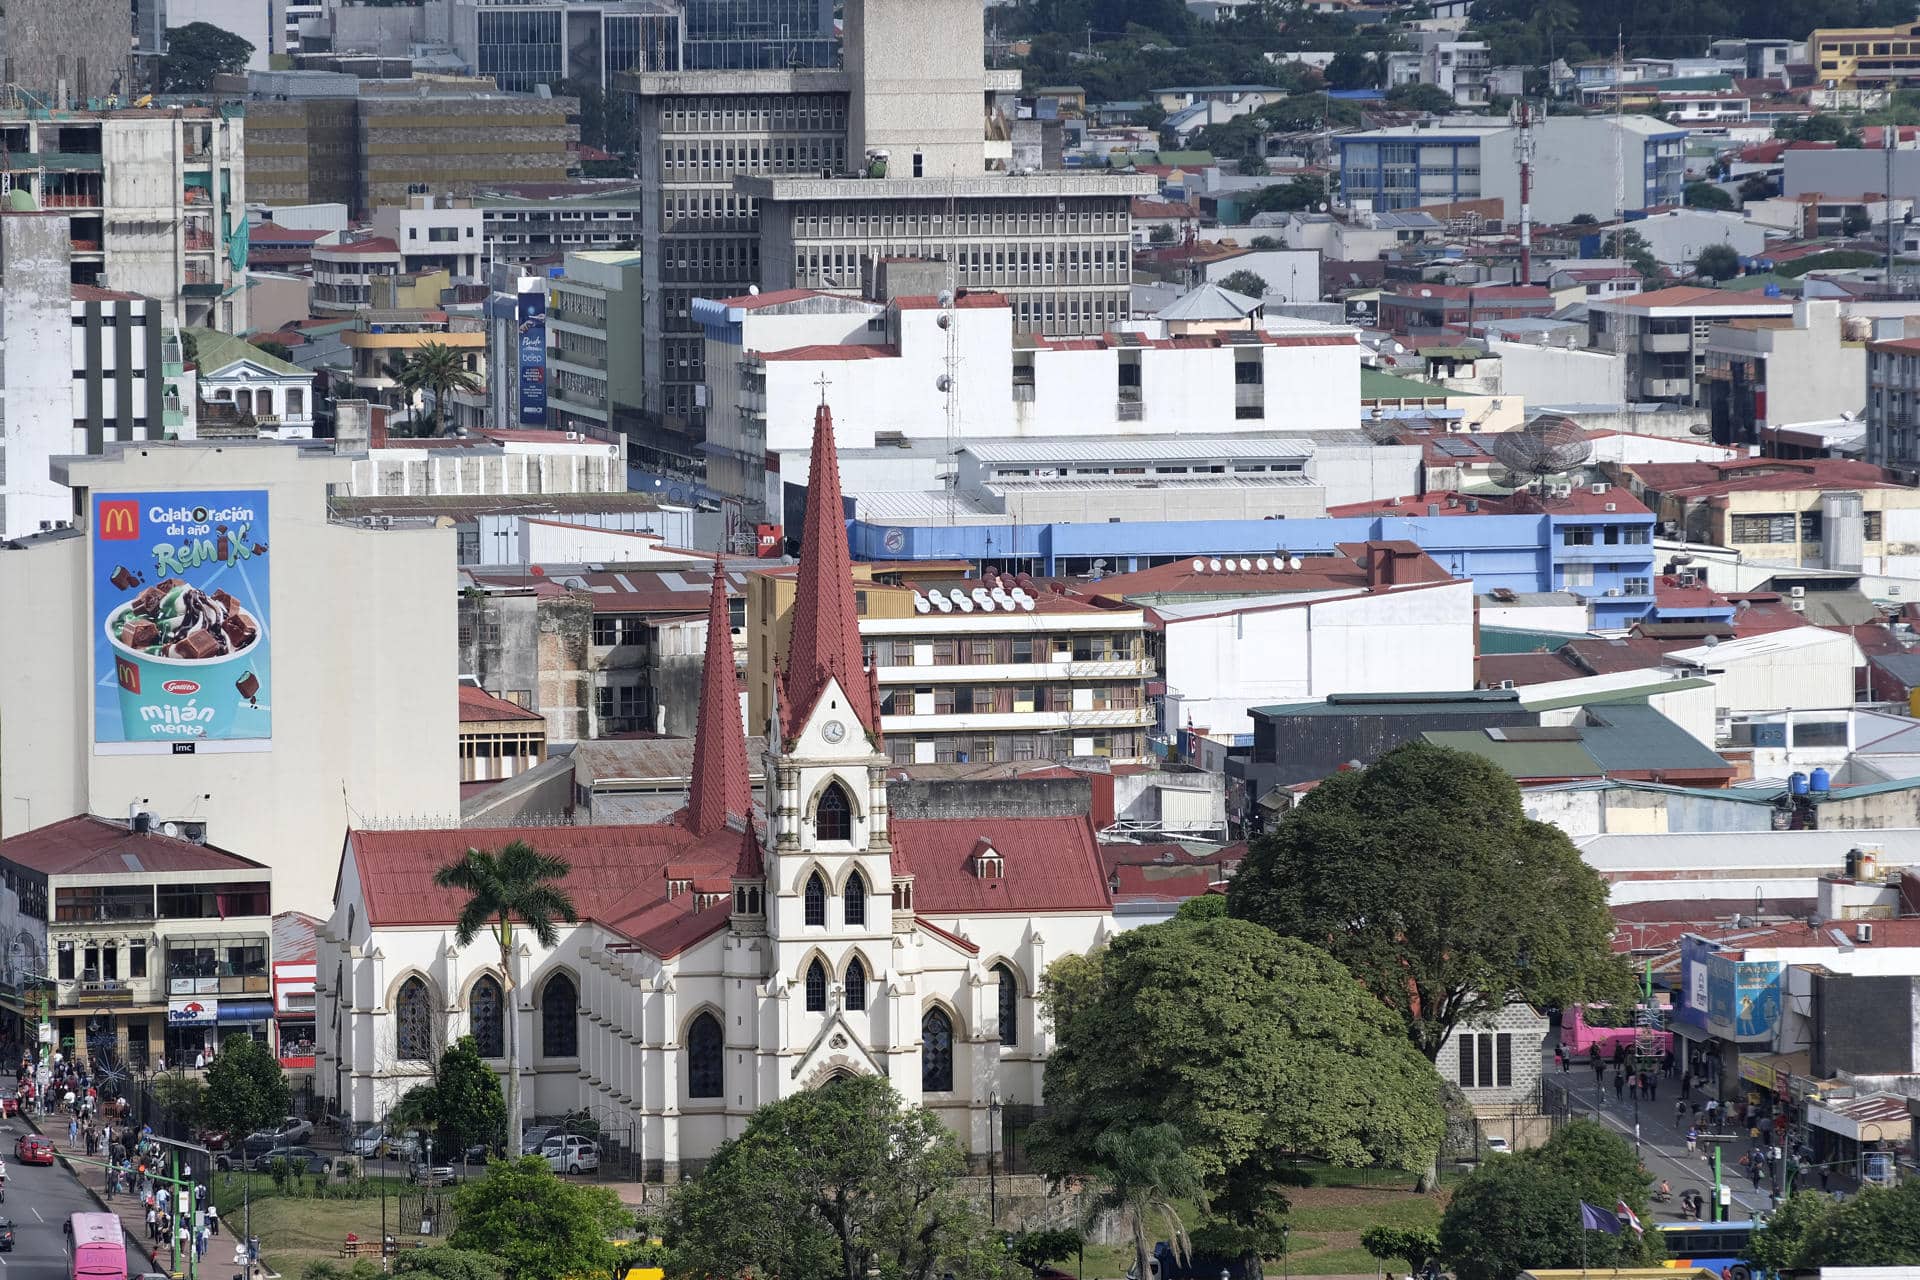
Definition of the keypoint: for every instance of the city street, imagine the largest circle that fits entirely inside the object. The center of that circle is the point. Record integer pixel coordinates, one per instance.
(1663, 1144)
(39, 1200)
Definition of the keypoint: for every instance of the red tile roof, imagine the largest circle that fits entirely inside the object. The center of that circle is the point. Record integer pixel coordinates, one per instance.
(274, 233)
(1472, 293)
(825, 644)
(754, 301)
(963, 299)
(102, 846)
(93, 293)
(1526, 668)
(479, 706)
(1746, 475)
(1693, 297)
(372, 244)
(1582, 501)
(293, 937)
(831, 351)
(1316, 573)
(720, 786)
(1050, 864)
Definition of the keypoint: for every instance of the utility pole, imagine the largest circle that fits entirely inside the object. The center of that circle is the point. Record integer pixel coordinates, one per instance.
(1889, 134)
(1523, 117)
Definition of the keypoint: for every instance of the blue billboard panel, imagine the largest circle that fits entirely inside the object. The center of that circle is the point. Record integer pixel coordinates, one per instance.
(533, 359)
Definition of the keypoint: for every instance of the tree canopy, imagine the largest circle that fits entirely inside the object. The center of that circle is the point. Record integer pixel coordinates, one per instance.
(536, 1224)
(1423, 874)
(1720, 261)
(842, 1181)
(462, 1107)
(1880, 1227)
(198, 52)
(246, 1089)
(1243, 281)
(1255, 1048)
(1417, 96)
(1704, 195)
(1522, 1212)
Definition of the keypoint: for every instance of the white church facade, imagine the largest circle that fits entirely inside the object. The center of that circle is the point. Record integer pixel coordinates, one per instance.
(732, 957)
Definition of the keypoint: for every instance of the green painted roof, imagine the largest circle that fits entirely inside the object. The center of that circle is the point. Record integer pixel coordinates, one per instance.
(1635, 736)
(1760, 280)
(1867, 789)
(1521, 759)
(1465, 702)
(1453, 353)
(214, 350)
(1516, 640)
(1634, 693)
(1376, 385)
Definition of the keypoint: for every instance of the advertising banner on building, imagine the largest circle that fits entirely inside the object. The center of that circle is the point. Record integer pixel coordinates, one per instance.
(181, 606)
(533, 359)
(1743, 998)
(192, 1013)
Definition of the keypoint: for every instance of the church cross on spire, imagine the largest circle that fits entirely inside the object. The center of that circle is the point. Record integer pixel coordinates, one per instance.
(825, 643)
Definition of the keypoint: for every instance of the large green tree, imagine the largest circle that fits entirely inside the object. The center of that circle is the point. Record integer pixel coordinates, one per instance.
(843, 1181)
(1255, 1048)
(447, 1263)
(1522, 1211)
(514, 887)
(462, 1107)
(1880, 1227)
(246, 1089)
(1718, 261)
(536, 1224)
(198, 52)
(1423, 874)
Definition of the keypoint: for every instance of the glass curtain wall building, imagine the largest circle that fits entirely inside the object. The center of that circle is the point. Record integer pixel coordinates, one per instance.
(760, 35)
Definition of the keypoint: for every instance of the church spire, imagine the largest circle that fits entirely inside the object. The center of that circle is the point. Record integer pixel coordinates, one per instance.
(720, 784)
(825, 643)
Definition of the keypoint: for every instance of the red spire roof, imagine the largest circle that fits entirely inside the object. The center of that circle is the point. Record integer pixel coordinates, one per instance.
(825, 644)
(720, 786)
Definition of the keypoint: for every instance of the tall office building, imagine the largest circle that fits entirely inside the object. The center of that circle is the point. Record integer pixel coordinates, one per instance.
(524, 45)
(759, 35)
(809, 176)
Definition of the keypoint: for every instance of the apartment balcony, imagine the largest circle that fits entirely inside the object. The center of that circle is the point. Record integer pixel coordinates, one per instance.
(1665, 388)
(1020, 721)
(590, 400)
(906, 677)
(102, 993)
(576, 319)
(579, 359)
(1666, 343)
(199, 241)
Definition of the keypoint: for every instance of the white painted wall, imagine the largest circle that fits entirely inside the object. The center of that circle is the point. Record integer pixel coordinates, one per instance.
(553, 542)
(1246, 654)
(1559, 375)
(365, 670)
(36, 334)
(1802, 668)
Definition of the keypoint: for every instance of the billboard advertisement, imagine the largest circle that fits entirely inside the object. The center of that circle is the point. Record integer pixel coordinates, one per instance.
(532, 336)
(1743, 998)
(181, 605)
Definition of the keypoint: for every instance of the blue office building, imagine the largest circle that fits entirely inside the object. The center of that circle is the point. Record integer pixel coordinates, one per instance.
(1574, 544)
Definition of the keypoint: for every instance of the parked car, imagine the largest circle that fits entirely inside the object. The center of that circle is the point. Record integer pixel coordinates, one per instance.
(291, 1130)
(245, 1155)
(1499, 1146)
(533, 1139)
(570, 1153)
(366, 1143)
(440, 1175)
(31, 1148)
(263, 1163)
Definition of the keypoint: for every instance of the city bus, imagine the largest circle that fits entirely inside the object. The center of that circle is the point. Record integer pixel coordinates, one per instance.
(1719, 1247)
(96, 1247)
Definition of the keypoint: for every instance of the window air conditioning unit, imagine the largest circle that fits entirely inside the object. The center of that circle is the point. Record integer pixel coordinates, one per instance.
(1798, 593)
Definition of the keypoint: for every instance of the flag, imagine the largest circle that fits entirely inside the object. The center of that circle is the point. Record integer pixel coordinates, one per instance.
(1630, 1218)
(1596, 1219)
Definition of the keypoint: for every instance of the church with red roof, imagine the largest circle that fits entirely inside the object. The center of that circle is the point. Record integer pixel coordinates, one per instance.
(839, 924)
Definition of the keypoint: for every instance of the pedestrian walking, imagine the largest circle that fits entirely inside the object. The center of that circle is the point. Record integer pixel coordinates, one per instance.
(1693, 1137)
(1653, 1088)
(1619, 1085)
(1679, 1114)
(213, 1218)
(153, 1219)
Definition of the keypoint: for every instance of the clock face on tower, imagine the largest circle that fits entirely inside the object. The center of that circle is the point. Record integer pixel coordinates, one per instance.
(833, 731)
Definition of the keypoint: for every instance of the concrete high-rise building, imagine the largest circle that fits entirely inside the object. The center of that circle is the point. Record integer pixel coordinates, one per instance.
(60, 53)
(154, 201)
(35, 370)
(811, 177)
(323, 137)
(524, 44)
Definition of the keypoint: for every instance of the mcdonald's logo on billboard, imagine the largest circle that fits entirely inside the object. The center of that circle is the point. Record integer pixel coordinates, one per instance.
(119, 521)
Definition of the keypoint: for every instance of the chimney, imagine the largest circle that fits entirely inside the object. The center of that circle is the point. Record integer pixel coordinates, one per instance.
(1380, 565)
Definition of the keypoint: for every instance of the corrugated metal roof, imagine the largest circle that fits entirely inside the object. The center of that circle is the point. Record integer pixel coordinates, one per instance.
(1628, 695)
(1140, 449)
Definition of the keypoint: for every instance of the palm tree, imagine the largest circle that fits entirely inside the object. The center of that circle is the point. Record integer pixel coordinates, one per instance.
(513, 884)
(1144, 1172)
(437, 368)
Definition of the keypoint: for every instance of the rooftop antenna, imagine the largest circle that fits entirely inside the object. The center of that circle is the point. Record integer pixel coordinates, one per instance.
(1523, 150)
(1619, 158)
(950, 379)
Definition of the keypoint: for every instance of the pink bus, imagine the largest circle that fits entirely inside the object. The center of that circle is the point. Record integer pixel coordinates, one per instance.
(1583, 1026)
(96, 1247)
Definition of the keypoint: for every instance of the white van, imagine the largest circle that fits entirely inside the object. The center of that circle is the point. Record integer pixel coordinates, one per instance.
(570, 1153)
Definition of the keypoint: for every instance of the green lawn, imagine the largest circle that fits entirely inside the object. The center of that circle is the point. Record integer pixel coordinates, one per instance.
(295, 1230)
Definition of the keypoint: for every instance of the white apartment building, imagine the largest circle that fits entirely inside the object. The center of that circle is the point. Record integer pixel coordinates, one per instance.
(429, 233)
(329, 731)
(488, 464)
(885, 363)
(154, 201)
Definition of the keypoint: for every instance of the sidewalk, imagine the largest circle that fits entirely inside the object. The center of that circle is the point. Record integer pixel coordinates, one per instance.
(132, 1215)
(1663, 1143)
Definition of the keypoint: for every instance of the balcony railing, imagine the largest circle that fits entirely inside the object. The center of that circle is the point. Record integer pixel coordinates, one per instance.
(584, 359)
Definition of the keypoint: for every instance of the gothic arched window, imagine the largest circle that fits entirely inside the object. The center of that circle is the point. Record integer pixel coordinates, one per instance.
(559, 1018)
(856, 984)
(816, 901)
(485, 1016)
(856, 898)
(936, 1052)
(833, 816)
(816, 987)
(413, 1022)
(1009, 1004)
(706, 1064)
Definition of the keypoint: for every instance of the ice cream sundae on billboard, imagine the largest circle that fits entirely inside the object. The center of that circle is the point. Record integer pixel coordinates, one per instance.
(181, 592)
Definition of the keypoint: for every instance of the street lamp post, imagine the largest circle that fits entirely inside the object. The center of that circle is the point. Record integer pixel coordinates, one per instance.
(993, 1158)
(1286, 1259)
